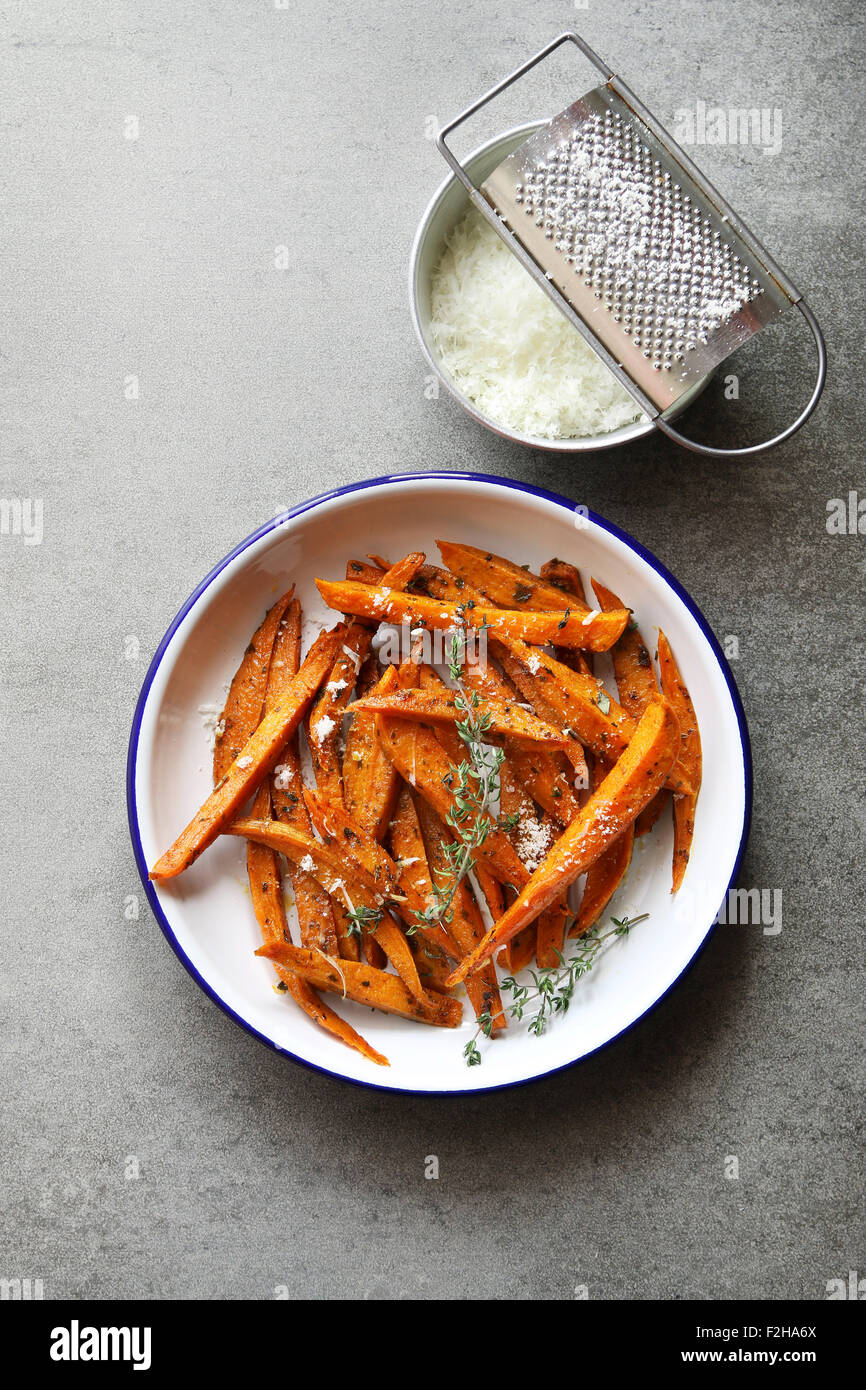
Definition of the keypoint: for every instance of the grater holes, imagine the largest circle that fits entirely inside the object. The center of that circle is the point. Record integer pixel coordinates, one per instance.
(638, 242)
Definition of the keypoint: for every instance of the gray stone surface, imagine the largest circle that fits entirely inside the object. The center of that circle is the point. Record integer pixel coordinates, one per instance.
(154, 257)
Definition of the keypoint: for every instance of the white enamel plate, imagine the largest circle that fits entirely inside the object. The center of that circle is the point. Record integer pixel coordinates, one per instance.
(206, 914)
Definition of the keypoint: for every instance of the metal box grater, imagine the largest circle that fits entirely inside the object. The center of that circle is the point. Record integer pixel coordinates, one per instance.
(633, 244)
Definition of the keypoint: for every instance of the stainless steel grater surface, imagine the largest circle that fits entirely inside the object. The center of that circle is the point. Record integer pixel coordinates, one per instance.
(634, 245)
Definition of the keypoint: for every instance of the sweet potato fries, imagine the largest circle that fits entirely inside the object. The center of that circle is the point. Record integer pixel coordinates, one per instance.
(460, 788)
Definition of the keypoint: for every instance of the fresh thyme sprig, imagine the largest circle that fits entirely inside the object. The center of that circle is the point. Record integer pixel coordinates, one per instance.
(474, 786)
(361, 919)
(552, 990)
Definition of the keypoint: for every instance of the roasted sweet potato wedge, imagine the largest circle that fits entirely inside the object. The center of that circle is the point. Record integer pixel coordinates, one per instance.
(370, 780)
(656, 809)
(372, 865)
(425, 765)
(516, 804)
(552, 923)
(267, 899)
(366, 985)
(316, 922)
(544, 772)
(605, 875)
(568, 578)
(432, 946)
(326, 865)
(256, 759)
(550, 778)
(504, 583)
(691, 757)
(465, 923)
(443, 706)
(632, 664)
(576, 701)
(622, 795)
(326, 717)
(592, 632)
(242, 711)
(269, 665)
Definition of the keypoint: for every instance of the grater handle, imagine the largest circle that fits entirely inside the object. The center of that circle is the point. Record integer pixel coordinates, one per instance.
(567, 37)
(668, 429)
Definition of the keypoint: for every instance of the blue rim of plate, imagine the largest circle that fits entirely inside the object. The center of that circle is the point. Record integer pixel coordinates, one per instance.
(299, 510)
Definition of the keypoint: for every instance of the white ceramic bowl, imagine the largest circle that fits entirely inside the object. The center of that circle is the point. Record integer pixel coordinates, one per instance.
(206, 914)
(446, 208)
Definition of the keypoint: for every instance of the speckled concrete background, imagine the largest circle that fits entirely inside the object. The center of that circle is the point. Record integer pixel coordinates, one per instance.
(304, 126)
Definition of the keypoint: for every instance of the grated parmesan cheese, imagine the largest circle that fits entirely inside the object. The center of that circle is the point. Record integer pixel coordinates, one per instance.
(534, 838)
(510, 350)
(212, 722)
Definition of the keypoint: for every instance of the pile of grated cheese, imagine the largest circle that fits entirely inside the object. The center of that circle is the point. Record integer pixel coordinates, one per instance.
(510, 350)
